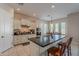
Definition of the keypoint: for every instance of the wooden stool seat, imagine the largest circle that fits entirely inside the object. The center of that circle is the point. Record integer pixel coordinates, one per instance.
(60, 50)
(54, 51)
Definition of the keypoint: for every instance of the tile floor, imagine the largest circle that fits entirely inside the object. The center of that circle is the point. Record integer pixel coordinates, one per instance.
(25, 51)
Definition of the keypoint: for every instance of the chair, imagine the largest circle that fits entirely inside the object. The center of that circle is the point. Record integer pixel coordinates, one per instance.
(56, 51)
(60, 50)
(69, 46)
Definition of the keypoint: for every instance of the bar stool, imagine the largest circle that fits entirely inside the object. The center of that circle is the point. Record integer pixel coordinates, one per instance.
(60, 50)
(56, 51)
(68, 46)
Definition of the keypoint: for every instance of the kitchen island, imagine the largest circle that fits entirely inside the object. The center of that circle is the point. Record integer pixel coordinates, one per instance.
(40, 44)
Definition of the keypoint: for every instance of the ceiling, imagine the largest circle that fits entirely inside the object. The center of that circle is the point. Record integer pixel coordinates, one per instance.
(42, 10)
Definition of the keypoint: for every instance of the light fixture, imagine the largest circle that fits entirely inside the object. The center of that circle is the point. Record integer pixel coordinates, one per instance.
(50, 18)
(53, 6)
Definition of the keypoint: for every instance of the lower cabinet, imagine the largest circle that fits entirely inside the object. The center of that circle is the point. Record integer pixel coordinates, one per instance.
(22, 38)
(34, 49)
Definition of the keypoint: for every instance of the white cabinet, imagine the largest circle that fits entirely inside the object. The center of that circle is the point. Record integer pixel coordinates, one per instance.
(31, 35)
(17, 39)
(26, 22)
(22, 38)
(34, 49)
(6, 30)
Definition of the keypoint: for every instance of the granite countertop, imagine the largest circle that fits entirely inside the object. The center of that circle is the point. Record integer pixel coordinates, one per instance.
(46, 40)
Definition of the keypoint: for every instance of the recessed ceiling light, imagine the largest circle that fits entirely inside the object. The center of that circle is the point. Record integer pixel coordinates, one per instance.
(34, 14)
(18, 9)
(53, 6)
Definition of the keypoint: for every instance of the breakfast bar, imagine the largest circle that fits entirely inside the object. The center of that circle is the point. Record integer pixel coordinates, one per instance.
(40, 44)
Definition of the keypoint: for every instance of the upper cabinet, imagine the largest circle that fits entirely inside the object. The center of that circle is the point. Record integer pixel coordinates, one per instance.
(26, 22)
(21, 19)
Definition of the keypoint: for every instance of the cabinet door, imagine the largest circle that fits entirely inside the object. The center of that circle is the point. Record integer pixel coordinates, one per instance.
(24, 38)
(34, 49)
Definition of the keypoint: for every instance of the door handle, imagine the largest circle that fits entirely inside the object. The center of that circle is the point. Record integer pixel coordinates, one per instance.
(2, 36)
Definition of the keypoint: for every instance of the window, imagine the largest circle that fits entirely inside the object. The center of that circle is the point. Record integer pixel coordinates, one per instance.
(63, 29)
(45, 28)
(56, 28)
(51, 28)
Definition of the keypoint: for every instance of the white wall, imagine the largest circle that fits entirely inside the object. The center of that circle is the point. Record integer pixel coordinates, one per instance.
(73, 30)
